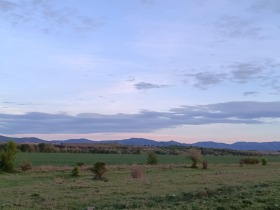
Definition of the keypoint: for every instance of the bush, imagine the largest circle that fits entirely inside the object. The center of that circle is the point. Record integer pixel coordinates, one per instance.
(205, 164)
(195, 156)
(252, 161)
(80, 164)
(7, 157)
(264, 161)
(25, 166)
(99, 169)
(152, 159)
(137, 172)
(75, 171)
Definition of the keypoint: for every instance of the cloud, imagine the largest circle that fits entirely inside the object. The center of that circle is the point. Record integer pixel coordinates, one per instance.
(266, 6)
(145, 86)
(206, 79)
(46, 17)
(6, 6)
(263, 73)
(249, 93)
(242, 112)
(243, 72)
(236, 27)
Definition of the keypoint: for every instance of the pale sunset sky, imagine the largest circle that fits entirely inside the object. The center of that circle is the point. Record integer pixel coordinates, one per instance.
(184, 70)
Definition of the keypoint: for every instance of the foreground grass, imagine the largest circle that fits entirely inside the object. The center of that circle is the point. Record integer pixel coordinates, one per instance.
(223, 186)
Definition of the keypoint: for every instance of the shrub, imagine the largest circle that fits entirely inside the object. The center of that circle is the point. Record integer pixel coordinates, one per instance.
(25, 166)
(152, 159)
(7, 157)
(75, 171)
(80, 164)
(205, 164)
(252, 161)
(99, 169)
(137, 172)
(264, 161)
(195, 156)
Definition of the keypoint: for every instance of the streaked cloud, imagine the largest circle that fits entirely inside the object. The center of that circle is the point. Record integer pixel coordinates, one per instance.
(245, 112)
(266, 6)
(250, 93)
(205, 79)
(146, 85)
(237, 27)
(262, 73)
(6, 5)
(46, 16)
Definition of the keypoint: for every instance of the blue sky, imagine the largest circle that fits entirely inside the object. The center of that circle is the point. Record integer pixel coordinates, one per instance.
(185, 70)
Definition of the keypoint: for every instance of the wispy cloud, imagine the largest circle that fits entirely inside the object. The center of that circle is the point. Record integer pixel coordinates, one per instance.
(243, 112)
(263, 73)
(146, 85)
(250, 93)
(47, 17)
(237, 27)
(266, 6)
(6, 6)
(205, 79)
(243, 72)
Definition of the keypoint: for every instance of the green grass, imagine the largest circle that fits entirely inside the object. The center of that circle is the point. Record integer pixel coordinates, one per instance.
(223, 186)
(169, 185)
(62, 159)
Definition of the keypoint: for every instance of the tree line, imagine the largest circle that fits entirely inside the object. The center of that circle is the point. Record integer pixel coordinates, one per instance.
(124, 149)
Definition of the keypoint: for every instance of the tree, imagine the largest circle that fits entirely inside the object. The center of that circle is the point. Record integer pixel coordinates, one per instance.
(42, 147)
(152, 159)
(195, 156)
(99, 169)
(7, 157)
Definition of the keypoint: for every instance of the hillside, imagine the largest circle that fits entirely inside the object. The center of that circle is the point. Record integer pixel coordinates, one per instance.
(262, 146)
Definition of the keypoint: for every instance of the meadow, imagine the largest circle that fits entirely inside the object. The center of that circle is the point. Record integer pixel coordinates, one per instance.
(171, 184)
(69, 159)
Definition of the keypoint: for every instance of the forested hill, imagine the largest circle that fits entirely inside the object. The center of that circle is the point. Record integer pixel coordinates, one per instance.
(263, 146)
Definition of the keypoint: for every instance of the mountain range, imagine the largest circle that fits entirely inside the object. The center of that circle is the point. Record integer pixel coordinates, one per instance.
(263, 146)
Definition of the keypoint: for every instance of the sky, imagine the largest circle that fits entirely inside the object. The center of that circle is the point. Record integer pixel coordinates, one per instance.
(184, 70)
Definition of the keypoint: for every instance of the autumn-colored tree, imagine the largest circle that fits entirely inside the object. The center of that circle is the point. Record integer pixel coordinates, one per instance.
(195, 156)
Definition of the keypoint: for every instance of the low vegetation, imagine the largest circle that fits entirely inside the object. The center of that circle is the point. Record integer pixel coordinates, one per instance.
(137, 172)
(99, 170)
(264, 161)
(67, 181)
(251, 161)
(25, 165)
(205, 164)
(152, 158)
(75, 171)
(224, 186)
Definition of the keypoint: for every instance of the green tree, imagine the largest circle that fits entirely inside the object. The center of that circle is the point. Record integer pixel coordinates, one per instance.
(264, 161)
(7, 157)
(42, 147)
(99, 169)
(152, 159)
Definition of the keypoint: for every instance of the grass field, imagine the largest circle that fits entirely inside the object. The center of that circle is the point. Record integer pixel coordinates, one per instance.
(64, 159)
(170, 185)
(222, 186)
